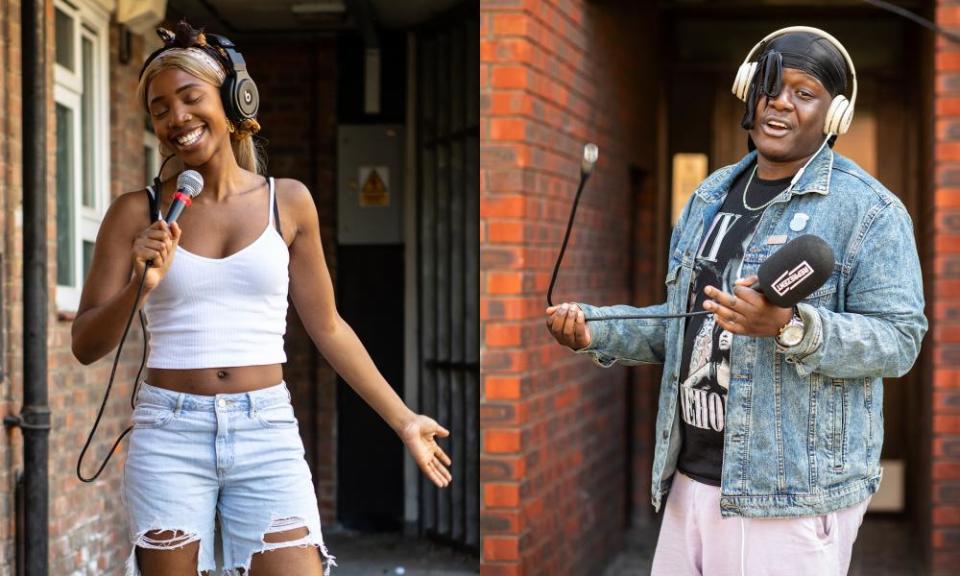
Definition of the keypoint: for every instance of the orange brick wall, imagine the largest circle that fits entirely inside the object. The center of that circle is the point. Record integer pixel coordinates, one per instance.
(554, 75)
(943, 521)
(12, 320)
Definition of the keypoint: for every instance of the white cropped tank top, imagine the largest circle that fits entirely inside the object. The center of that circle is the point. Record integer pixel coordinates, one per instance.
(222, 312)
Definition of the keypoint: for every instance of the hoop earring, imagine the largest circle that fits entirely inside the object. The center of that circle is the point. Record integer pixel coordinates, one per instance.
(231, 127)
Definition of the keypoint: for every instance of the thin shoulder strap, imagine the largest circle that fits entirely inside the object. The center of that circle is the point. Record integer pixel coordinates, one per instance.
(275, 206)
(153, 204)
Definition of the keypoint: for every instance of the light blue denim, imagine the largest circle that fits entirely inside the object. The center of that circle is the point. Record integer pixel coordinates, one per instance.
(804, 426)
(238, 457)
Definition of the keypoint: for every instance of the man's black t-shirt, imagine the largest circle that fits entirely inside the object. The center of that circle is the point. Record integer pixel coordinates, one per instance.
(705, 363)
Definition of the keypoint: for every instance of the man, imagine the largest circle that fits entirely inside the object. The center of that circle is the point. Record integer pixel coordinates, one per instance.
(770, 422)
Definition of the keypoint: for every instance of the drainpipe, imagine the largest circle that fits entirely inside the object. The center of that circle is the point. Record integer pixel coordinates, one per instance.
(34, 419)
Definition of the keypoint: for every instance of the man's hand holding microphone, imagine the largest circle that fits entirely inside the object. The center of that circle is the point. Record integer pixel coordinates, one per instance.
(568, 325)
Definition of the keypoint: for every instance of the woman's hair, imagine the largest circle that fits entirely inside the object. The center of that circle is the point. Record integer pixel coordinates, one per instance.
(185, 49)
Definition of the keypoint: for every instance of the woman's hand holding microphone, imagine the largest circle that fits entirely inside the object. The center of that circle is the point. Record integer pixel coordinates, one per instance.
(157, 244)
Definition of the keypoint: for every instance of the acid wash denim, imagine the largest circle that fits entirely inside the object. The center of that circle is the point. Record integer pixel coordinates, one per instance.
(804, 426)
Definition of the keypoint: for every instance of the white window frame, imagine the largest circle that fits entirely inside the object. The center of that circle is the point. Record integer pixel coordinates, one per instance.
(91, 21)
(151, 146)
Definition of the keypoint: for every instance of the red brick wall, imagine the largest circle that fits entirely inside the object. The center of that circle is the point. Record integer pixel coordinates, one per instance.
(12, 326)
(944, 290)
(554, 75)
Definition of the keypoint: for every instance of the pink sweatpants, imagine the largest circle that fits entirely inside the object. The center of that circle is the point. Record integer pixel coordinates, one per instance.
(696, 540)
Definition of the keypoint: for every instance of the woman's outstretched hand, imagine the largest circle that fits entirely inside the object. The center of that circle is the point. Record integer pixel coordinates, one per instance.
(420, 439)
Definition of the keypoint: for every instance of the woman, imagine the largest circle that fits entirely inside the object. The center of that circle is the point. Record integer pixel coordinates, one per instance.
(214, 433)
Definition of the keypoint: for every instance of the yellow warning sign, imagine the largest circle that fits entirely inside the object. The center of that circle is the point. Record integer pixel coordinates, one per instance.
(375, 186)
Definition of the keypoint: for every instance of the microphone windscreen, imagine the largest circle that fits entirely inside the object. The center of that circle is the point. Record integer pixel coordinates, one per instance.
(190, 182)
(796, 270)
(590, 155)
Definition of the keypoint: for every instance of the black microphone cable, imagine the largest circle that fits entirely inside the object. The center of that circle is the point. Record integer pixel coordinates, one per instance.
(890, 7)
(143, 360)
(113, 372)
(590, 154)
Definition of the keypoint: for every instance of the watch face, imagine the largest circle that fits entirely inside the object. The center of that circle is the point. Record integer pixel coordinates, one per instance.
(791, 336)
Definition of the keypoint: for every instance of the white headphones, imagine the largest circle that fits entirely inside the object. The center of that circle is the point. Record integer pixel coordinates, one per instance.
(840, 113)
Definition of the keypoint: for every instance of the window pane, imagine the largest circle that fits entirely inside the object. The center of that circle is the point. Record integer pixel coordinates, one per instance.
(688, 171)
(87, 256)
(65, 228)
(151, 164)
(87, 118)
(64, 39)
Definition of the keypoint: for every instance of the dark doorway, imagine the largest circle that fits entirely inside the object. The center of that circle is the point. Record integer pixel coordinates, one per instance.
(369, 455)
(370, 285)
(647, 246)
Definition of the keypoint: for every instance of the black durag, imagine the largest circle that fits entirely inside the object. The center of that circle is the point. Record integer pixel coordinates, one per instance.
(803, 51)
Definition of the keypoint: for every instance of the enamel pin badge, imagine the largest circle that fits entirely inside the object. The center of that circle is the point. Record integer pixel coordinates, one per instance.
(799, 221)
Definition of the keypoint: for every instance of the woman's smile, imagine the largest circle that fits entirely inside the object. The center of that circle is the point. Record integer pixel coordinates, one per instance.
(190, 139)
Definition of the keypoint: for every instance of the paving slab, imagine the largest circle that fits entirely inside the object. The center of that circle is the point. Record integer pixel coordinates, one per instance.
(394, 554)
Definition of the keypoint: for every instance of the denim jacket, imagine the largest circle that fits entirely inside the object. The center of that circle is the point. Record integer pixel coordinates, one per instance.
(804, 425)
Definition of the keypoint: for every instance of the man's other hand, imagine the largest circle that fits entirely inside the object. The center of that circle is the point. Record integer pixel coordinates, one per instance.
(568, 325)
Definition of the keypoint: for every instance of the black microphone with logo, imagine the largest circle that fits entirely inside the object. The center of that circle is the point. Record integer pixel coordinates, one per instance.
(788, 276)
(791, 274)
(795, 271)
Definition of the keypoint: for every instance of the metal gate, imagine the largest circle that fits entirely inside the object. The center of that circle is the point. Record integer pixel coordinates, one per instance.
(448, 205)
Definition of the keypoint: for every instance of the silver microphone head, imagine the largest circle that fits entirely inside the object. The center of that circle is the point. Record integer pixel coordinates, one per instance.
(590, 154)
(191, 182)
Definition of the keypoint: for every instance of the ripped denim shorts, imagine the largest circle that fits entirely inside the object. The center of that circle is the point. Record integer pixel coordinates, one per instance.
(236, 458)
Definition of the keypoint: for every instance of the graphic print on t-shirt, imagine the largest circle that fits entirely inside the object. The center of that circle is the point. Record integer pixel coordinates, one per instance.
(705, 366)
(704, 407)
(701, 402)
(718, 231)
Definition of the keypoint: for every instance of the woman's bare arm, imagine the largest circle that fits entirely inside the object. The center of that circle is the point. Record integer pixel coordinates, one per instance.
(125, 238)
(312, 293)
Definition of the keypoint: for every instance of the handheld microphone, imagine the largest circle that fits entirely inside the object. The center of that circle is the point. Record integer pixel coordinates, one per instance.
(795, 271)
(189, 184)
(788, 276)
(590, 155)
